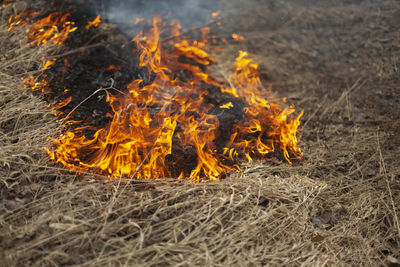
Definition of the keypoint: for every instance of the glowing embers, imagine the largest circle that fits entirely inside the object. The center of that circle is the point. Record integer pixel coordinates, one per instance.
(173, 124)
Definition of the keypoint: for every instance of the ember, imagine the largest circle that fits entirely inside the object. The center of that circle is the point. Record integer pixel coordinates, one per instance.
(176, 121)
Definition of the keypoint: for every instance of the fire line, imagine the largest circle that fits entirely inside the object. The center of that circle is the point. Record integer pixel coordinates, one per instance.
(184, 123)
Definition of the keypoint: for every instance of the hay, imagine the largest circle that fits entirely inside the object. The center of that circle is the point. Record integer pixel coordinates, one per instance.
(339, 206)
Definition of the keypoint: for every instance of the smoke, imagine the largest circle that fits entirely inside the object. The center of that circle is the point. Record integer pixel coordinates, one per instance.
(190, 13)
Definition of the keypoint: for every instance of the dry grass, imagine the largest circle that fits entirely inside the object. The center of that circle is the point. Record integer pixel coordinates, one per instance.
(338, 207)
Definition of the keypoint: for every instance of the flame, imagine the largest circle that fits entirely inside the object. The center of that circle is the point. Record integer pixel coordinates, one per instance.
(47, 63)
(227, 105)
(94, 23)
(36, 83)
(152, 121)
(59, 105)
(237, 37)
(20, 20)
(216, 14)
(169, 126)
(267, 122)
(113, 68)
(138, 20)
(53, 28)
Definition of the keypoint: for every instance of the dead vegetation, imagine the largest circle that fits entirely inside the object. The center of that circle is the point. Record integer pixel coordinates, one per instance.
(339, 206)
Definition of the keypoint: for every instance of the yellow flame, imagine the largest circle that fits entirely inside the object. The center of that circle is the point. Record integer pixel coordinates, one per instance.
(227, 105)
(93, 23)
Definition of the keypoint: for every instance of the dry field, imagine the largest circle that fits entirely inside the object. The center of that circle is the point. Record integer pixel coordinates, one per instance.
(337, 60)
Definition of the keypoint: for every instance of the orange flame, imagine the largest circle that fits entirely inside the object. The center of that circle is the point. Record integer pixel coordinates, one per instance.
(93, 23)
(20, 20)
(138, 20)
(237, 37)
(153, 124)
(53, 28)
(113, 68)
(47, 63)
(216, 13)
(36, 83)
(151, 120)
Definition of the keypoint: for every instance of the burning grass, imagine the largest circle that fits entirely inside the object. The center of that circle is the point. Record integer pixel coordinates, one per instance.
(180, 107)
(338, 207)
(176, 106)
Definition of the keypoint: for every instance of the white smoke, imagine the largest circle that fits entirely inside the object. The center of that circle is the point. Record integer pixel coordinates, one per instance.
(189, 13)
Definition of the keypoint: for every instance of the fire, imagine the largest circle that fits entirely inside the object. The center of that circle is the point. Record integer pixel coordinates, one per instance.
(19, 20)
(227, 105)
(54, 28)
(216, 14)
(47, 63)
(36, 83)
(172, 124)
(113, 68)
(152, 120)
(237, 37)
(93, 23)
(138, 20)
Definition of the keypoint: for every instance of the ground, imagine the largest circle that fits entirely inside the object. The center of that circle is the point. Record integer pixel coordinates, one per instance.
(336, 60)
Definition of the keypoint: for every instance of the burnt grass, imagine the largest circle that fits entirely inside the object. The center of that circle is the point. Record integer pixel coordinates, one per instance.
(339, 206)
